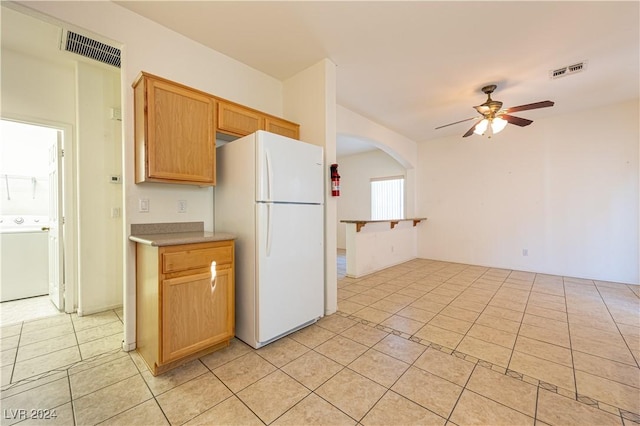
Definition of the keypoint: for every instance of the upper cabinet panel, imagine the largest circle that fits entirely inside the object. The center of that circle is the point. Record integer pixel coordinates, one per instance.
(237, 120)
(174, 132)
(176, 126)
(282, 127)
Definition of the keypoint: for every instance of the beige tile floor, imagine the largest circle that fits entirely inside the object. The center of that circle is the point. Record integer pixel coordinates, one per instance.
(424, 342)
(27, 309)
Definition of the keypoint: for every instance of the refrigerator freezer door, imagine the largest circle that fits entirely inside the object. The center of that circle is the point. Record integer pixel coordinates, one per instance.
(290, 267)
(288, 170)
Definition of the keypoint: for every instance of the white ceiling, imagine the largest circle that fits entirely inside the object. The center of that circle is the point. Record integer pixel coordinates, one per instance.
(415, 65)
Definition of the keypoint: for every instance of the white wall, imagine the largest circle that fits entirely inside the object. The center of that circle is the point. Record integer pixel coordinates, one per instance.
(356, 172)
(310, 99)
(150, 47)
(24, 161)
(377, 246)
(99, 156)
(565, 189)
(27, 88)
(147, 46)
(401, 148)
(46, 91)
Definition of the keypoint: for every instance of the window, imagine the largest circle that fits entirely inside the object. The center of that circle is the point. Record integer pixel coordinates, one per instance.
(387, 198)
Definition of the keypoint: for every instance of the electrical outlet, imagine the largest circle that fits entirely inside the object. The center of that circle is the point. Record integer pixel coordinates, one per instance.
(525, 252)
(182, 206)
(115, 212)
(143, 205)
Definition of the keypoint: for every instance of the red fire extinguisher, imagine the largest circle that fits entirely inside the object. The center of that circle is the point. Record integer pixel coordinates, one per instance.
(335, 181)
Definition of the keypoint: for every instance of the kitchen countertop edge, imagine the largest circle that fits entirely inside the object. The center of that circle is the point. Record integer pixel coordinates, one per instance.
(178, 238)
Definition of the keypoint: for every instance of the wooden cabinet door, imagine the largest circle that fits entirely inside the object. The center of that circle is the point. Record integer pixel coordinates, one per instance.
(282, 127)
(181, 144)
(196, 313)
(238, 121)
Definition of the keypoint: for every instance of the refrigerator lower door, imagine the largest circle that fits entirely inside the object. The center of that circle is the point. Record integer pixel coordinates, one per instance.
(290, 268)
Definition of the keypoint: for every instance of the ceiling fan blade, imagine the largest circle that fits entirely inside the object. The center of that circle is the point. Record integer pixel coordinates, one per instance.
(535, 105)
(516, 120)
(451, 124)
(470, 131)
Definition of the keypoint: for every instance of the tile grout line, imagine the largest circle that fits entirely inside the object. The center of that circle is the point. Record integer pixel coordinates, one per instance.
(369, 347)
(368, 323)
(573, 364)
(616, 324)
(460, 396)
(520, 325)
(235, 394)
(313, 391)
(73, 409)
(15, 360)
(620, 410)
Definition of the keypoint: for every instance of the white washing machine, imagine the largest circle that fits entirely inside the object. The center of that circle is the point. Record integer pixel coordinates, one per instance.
(24, 257)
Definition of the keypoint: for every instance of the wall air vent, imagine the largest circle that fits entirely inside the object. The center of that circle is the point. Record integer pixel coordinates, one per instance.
(90, 48)
(568, 70)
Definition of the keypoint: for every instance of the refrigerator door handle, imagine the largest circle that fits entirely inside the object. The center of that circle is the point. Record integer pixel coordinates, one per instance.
(269, 227)
(269, 175)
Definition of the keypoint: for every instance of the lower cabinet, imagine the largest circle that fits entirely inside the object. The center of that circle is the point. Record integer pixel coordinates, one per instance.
(185, 302)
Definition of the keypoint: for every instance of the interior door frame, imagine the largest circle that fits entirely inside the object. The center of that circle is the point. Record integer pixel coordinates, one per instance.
(56, 222)
(68, 207)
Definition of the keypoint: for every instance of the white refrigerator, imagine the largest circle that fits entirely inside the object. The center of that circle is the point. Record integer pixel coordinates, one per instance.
(270, 193)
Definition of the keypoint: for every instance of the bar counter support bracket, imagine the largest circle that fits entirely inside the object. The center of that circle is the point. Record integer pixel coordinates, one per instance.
(392, 223)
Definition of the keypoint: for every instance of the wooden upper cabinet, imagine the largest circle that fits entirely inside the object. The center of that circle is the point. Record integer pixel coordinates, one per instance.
(282, 127)
(236, 120)
(174, 133)
(175, 130)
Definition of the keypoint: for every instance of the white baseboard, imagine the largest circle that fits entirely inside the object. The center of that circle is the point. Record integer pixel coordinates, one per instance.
(85, 312)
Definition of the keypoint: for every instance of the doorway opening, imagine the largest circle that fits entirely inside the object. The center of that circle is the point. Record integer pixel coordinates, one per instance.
(341, 263)
(31, 251)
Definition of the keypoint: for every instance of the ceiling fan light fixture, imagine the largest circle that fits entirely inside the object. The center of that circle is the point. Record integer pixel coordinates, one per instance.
(481, 127)
(498, 124)
(495, 119)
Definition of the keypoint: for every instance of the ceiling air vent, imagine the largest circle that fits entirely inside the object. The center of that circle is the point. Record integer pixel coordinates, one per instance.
(90, 48)
(568, 70)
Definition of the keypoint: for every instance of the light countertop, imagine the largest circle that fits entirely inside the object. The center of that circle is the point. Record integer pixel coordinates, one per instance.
(171, 234)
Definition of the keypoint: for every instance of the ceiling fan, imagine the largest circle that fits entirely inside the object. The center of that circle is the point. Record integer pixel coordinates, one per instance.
(494, 118)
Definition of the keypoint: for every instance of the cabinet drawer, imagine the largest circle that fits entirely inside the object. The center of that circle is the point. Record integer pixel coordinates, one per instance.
(194, 259)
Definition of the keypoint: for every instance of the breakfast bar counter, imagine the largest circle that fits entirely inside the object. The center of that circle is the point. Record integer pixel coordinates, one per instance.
(373, 245)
